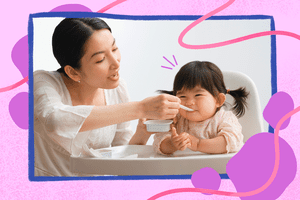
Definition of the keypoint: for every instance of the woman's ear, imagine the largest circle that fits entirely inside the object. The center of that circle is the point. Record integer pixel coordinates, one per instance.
(72, 73)
(221, 100)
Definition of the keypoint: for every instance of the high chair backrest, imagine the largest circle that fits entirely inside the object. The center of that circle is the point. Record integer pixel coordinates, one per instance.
(252, 121)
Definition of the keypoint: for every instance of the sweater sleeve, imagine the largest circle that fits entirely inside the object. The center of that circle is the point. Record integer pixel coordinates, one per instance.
(231, 129)
(158, 138)
(61, 122)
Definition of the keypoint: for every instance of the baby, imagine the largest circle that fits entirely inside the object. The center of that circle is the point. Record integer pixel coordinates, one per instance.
(209, 128)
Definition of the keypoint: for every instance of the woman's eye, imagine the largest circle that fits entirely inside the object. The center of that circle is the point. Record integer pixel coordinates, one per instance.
(115, 49)
(100, 61)
(181, 96)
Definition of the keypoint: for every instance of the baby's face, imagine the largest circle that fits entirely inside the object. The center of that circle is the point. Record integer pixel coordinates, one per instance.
(201, 101)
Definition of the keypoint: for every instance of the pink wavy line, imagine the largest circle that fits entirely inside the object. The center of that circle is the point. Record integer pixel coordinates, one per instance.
(188, 28)
(21, 82)
(240, 39)
(228, 42)
(109, 6)
(240, 194)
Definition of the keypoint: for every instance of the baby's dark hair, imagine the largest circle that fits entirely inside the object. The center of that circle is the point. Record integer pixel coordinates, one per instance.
(209, 77)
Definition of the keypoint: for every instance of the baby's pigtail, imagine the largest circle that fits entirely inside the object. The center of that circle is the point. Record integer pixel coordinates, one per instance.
(240, 96)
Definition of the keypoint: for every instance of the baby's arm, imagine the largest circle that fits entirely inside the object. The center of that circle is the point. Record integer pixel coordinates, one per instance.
(214, 145)
(175, 142)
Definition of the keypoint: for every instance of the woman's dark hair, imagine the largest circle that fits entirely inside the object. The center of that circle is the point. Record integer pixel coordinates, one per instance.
(209, 77)
(69, 38)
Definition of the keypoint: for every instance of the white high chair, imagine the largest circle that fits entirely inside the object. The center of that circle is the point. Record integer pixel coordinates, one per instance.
(182, 162)
(252, 121)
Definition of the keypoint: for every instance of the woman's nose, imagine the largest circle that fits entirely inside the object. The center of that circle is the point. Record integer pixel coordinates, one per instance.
(114, 61)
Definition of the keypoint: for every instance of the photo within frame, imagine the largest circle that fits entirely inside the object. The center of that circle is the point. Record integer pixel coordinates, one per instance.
(151, 57)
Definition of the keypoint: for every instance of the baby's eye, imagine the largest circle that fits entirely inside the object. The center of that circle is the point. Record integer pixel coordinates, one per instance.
(197, 95)
(181, 96)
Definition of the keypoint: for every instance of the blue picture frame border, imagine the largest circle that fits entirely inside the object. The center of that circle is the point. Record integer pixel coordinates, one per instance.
(128, 17)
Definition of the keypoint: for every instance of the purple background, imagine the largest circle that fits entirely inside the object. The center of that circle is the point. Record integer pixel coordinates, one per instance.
(14, 140)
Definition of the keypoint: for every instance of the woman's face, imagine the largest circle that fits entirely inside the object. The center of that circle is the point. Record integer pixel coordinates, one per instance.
(201, 101)
(101, 62)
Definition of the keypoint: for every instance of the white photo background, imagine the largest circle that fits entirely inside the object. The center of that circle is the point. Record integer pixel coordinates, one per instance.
(143, 43)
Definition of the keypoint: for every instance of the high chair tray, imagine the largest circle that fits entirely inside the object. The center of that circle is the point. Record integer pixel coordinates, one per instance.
(142, 160)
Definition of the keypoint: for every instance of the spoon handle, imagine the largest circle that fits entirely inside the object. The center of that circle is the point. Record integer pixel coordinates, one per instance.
(186, 108)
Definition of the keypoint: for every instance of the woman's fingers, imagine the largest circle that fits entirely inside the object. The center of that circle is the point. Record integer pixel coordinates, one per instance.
(173, 105)
(171, 98)
(163, 106)
(172, 108)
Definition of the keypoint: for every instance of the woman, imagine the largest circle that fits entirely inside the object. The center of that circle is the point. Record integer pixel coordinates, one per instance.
(85, 102)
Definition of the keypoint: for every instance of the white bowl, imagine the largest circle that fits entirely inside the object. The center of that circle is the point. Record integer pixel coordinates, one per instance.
(158, 125)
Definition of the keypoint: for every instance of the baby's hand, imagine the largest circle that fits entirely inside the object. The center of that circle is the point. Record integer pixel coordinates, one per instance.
(180, 142)
(194, 143)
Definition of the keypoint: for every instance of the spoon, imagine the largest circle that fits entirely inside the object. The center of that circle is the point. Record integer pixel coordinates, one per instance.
(186, 108)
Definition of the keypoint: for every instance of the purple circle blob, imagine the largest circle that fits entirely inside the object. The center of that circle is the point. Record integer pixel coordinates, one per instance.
(71, 8)
(18, 109)
(20, 52)
(253, 165)
(206, 178)
(279, 105)
(19, 55)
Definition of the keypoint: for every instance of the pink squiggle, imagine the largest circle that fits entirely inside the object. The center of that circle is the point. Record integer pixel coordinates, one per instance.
(240, 39)
(109, 6)
(228, 42)
(21, 82)
(240, 194)
(188, 28)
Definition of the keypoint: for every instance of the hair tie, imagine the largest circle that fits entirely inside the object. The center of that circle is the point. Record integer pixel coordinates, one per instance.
(227, 91)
